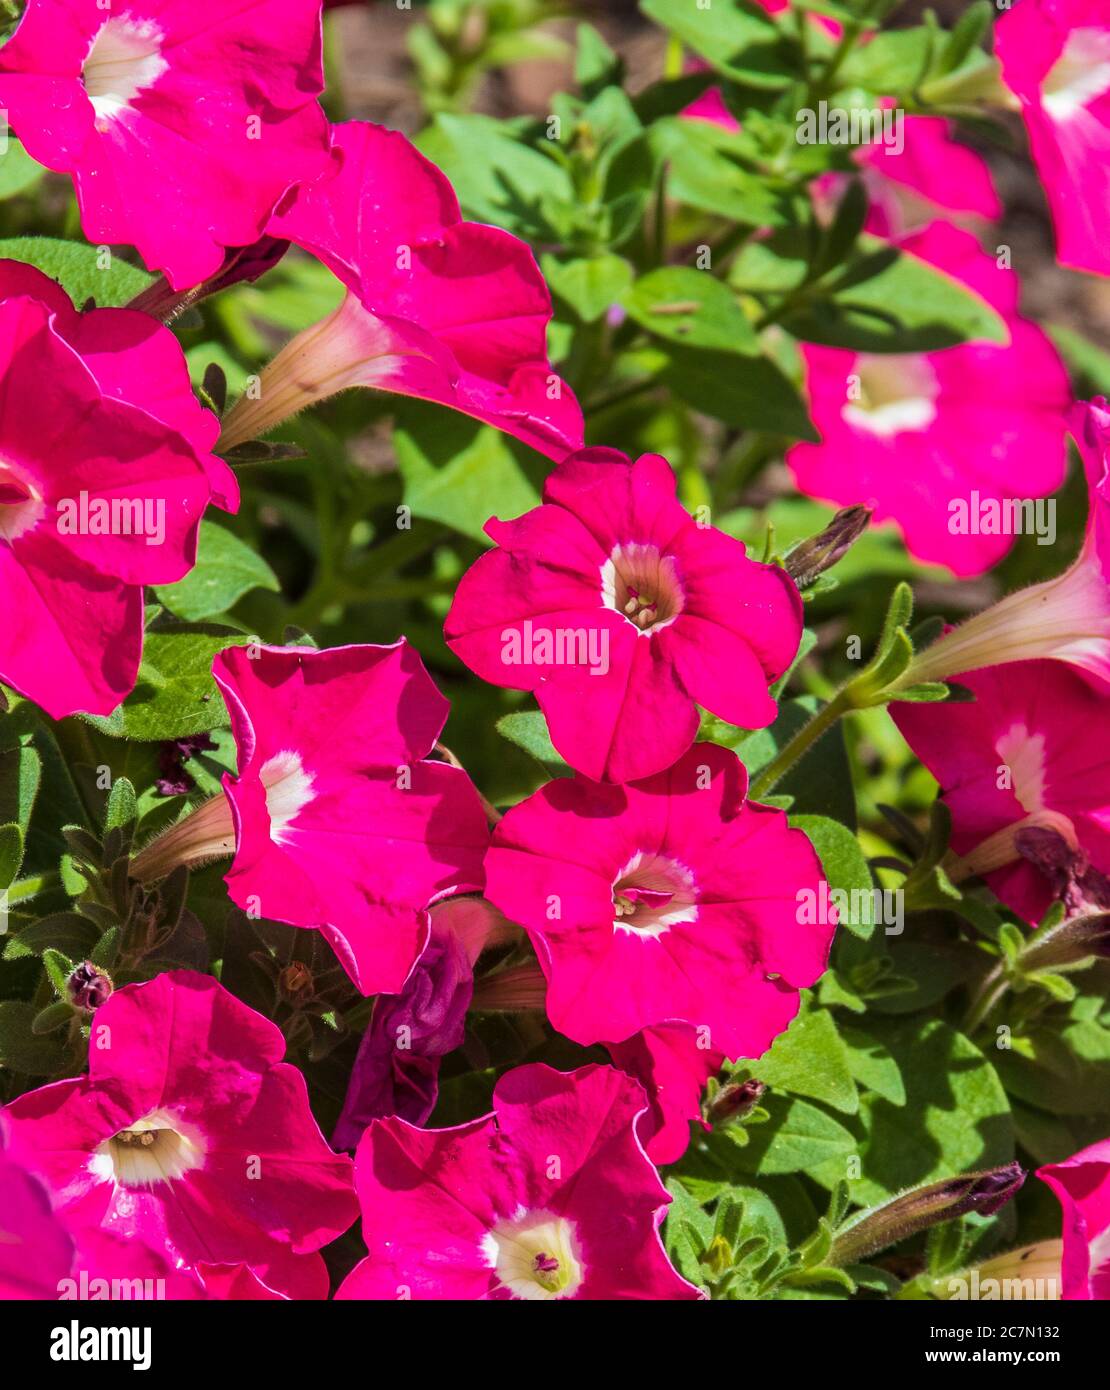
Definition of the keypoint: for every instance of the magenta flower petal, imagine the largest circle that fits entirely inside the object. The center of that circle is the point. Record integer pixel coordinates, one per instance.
(340, 822)
(1055, 57)
(438, 308)
(907, 187)
(1082, 1183)
(671, 1064)
(728, 949)
(36, 1248)
(622, 614)
(550, 1196)
(281, 1276)
(189, 1135)
(932, 167)
(181, 131)
(105, 471)
(1021, 756)
(917, 436)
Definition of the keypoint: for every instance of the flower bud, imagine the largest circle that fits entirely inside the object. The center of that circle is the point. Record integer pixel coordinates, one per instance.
(811, 558)
(89, 987)
(983, 1193)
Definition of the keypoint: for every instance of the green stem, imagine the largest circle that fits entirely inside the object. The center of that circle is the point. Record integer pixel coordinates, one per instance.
(800, 744)
(990, 991)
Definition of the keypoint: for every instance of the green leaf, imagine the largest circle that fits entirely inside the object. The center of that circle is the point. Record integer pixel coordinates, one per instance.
(955, 1117)
(120, 811)
(810, 1059)
(226, 569)
(18, 171)
(66, 932)
(497, 178)
(175, 695)
(890, 301)
(743, 43)
(78, 269)
(1090, 364)
(933, 958)
(596, 66)
(797, 1138)
(590, 285)
(11, 854)
(689, 306)
(19, 1048)
(106, 949)
(54, 1016)
(892, 61)
(528, 730)
(703, 171)
(1060, 1067)
(460, 473)
(748, 392)
(872, 1065)
(58, 969)
(847, 873)
(20, 776)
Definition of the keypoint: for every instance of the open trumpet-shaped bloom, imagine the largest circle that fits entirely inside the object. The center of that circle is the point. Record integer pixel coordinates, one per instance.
(105, 472)
(181, 128)
(620, 612)
(1065, 619)
(336, 818)
(672, 898)
(445, 310)
(549, 1197)
(1055, 57)
(1025, 771)
(940, 442)
(1082, 1183)
(189, 1135)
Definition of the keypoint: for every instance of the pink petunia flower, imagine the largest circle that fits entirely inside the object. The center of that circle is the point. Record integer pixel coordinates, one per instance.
(1055, 58)
(1065, 619)
(941, 442)
(105, 471)
(181, 129)
(669, 898)
(189, 1135)
(1082, 1183)
(336, 819)
(1025, 771)
(47, 1254)
(620, 612)
(438, 308)
(551, 1196)
(672, 1062)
